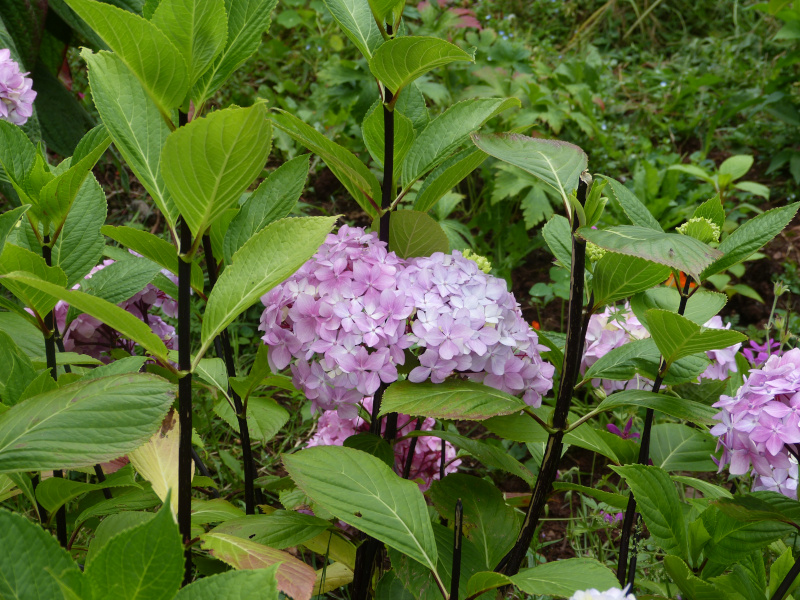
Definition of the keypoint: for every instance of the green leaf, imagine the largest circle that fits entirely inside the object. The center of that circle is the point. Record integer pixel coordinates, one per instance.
(248, 20)
(144, 49)
(372, 444)
(364, 492)
(153, 247)
(751, 187)
(557, 164)
(142, 563)
(54, 492)
(80, 246)
(356, 21)
(733, 539)
(121, 280)
(484, 453)
(558, 236)
(210, 162)
(294, 577)
(274, 199)
(485, 581)
(198, 28)
(565, 577)
(446, 176)
(16, 260)
(672, 249)
(280, 529)
(373, 134)
(17, 154)
(633, 208)
(399, 61)
(134, 123)
(701, 306)
(675, 407)
(387, 11)
(778, 570)
(617, 276)
(736, 166)
(412, 105)
(615, 500)
(268, 258)
(447, 132)
(233, 585)
(111, 526)
(751, 236)
(761, 506)
(449, 400)
(676, 447)
(691, 585)
(9, 220)
(216, 510)
(57, 196)
(413, 233)
(658, 502)
(110, 314)
(264, 416)
(68, 427)
(31, 559)
(488, 521)
(712, 210)
(354, 175)
(676, 336)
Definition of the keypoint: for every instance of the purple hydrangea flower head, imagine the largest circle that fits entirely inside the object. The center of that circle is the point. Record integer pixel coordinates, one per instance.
(89, 336)
(16, 95)
(333, 430)
(615, 327)
(759, 427)
(354, 308)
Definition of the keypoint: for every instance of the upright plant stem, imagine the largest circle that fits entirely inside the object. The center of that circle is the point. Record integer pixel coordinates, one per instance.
(576, 315)
(241, 416)
(455, 571)
(631, 516)
(50, 355)
(369, 550)
(185, 396)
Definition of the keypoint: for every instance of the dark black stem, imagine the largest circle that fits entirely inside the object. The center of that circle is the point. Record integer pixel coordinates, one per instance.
(50, 356)
(787, 581)
(224, 341)
(455, 572)
(412, 446)
(626, 571)
(576, 316)
(185, 396)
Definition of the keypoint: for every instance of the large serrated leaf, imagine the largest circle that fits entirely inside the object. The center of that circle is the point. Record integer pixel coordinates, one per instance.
(364, 492)
(676, 336)
(413, 233)
(676, 407)
(83, 423)
(446, 176)
(21, 261)
(449, 400)
(618, 276)
(633, 208)
(233, 585)
(565, 577)
(210, 162)
(677, 447)
(144, 49)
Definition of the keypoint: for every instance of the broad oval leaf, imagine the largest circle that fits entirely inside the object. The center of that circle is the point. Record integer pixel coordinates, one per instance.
(143, 48)
(83, 423)
(401, 60)
(233, 585)
(558, 164)
(672, 249)
(677, 447)
(558, 236)
(269, 257)
(280, 529)
(447, 132)
(701, 306)
(364, 492)
(449, 400)
(413, 233)
(618, 276)
(676, 336)
(356, 20)
(565, 577)
(20, 261)
(676, 407)
(295, 578)
(210, 162)
(134, 123)
(354, 175)
(141, 563)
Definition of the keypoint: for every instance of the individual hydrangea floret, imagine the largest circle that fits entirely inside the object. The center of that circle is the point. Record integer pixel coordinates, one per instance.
(610, 594)
(615, 327)
(757, 354)
(343, 321)
(87, 335)
(333, 430)
(759, 427)
(16, 95)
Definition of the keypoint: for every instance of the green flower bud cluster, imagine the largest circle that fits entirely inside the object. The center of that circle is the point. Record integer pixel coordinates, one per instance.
(700, 228)
(482, 262)
(594, 252)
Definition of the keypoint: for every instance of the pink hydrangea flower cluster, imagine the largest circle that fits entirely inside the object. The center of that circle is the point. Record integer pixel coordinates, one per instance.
(16, 95)
(89, 336)
(343, 321)
(760, 426)
(615, 327)
(333, 430)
